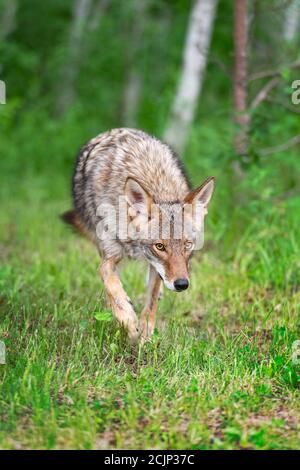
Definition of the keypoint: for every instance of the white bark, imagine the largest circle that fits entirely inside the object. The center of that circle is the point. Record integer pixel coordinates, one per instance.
(8, 18)
(240, 79)
(131, 99)
(8, 21)
(291, 20)
(66, 90)
(194, 65)
(97, 14)
(133, 86)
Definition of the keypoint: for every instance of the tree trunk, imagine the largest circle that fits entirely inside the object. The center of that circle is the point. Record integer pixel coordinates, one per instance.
(242, 117)
(194, 65)
(131, 98)
(7, 23)
(291, 21)
(8, 18)
(133, 85)
(66, 91)
(97, 13)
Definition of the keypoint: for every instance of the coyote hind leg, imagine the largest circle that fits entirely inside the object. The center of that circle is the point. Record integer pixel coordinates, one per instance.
(120, 303)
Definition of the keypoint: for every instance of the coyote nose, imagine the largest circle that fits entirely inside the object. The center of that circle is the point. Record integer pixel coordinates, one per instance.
(181, 284)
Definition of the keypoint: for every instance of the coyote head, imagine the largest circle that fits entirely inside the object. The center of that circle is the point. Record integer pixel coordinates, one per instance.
(167, 232)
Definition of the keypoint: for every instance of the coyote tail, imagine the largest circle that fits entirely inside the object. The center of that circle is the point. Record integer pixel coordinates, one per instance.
(71, 218)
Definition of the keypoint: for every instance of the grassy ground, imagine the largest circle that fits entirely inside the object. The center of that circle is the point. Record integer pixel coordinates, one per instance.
(219, 372)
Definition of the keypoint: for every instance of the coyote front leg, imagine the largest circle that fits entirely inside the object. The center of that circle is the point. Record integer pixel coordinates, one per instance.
(120, 303)
(148, 315)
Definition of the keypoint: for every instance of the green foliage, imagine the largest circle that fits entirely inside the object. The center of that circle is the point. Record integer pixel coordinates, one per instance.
(103, 316)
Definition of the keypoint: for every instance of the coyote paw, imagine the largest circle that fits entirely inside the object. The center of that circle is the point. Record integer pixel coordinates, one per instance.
(133, 335)
(146, 331)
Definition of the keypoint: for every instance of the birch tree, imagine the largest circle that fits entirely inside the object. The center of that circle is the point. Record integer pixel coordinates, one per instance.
(7, 22)
(291, 20)
(240, 75)
(133, 86)
(66, 89)
(97, 13)
(8, 18)
(194, 65)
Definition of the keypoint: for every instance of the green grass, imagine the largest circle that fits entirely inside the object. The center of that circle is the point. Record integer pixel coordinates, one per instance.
(218, 373)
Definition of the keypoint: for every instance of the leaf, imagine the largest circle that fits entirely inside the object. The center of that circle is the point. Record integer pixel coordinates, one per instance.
(113, 347)
(83, 325)
(258, 437)
(233, 433)
(103, 316)
(286, 73)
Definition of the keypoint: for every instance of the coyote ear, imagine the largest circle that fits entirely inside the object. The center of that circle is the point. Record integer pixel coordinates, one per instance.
(202, 194)
(137, 196)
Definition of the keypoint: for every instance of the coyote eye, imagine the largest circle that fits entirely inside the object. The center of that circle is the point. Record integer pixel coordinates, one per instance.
(188, 245)
(160, 246)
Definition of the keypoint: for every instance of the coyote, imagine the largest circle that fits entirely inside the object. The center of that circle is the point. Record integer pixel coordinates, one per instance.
(131, 167)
